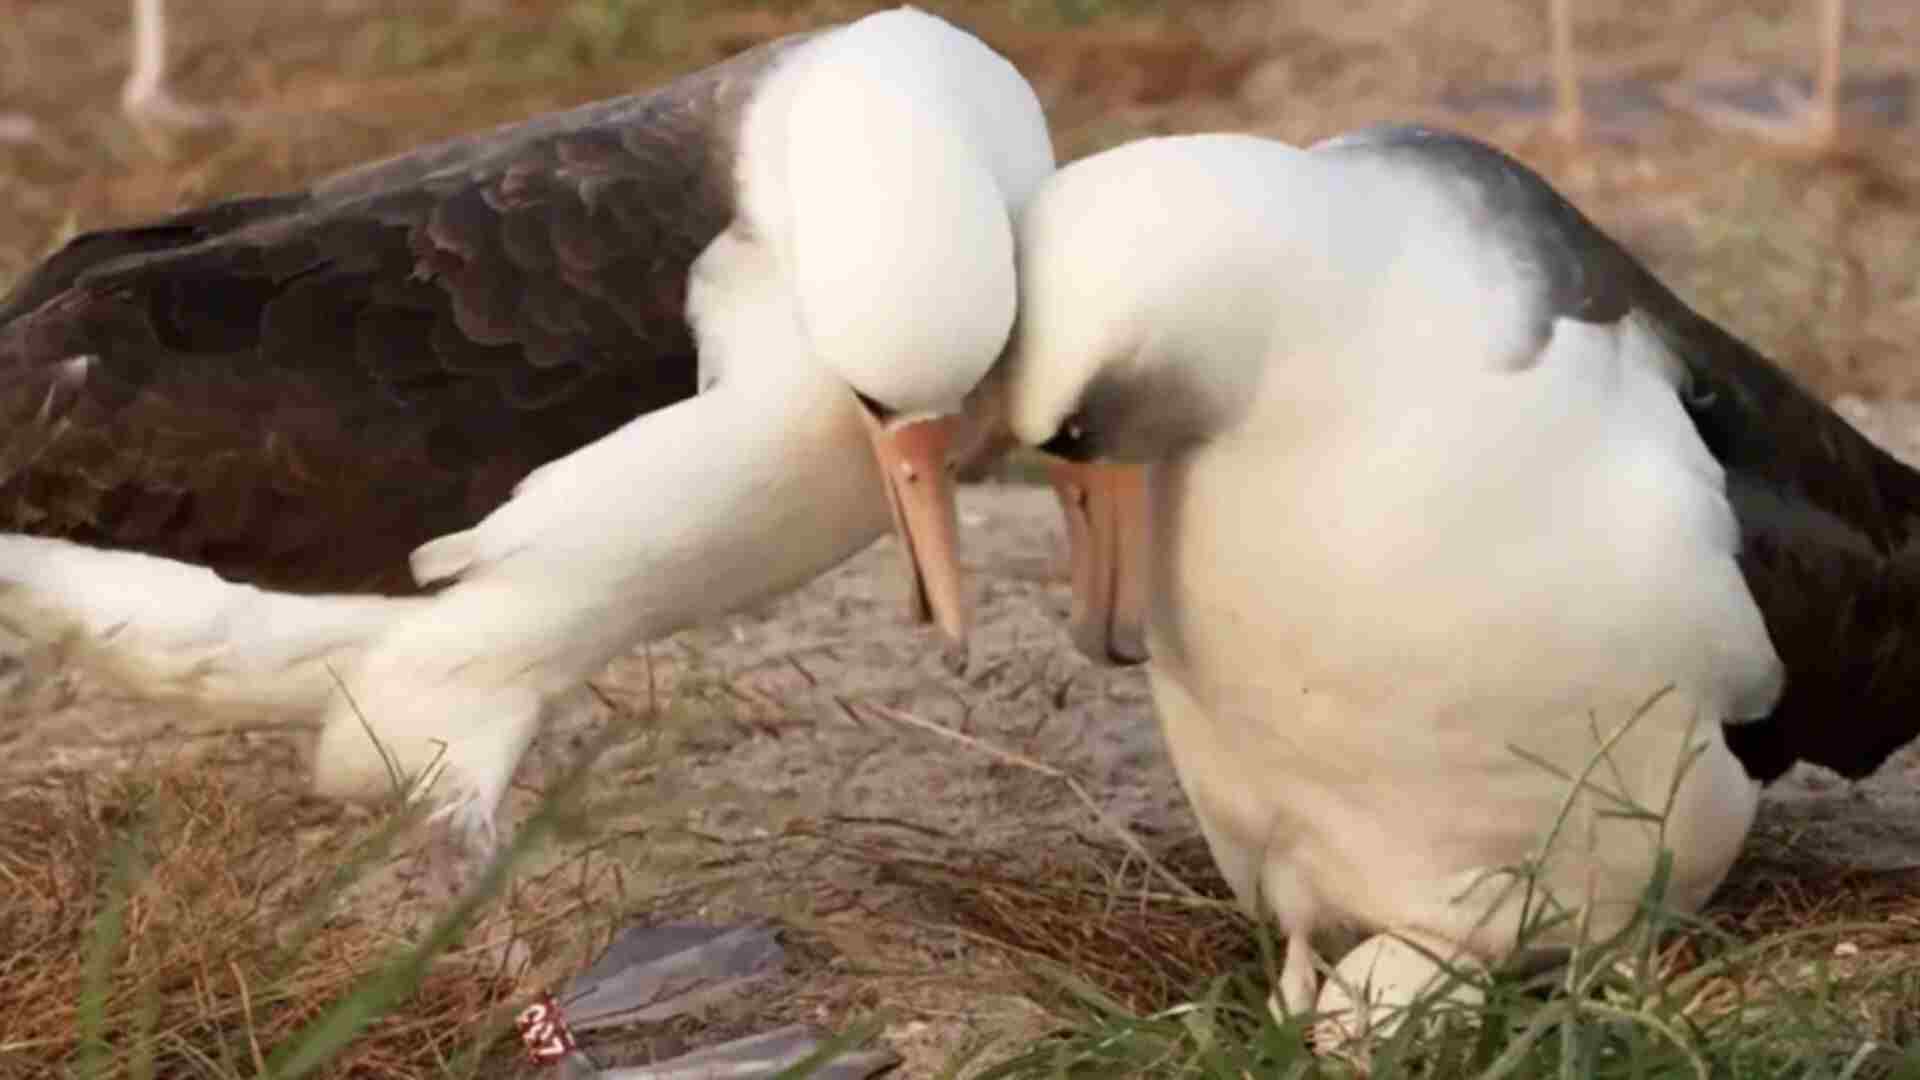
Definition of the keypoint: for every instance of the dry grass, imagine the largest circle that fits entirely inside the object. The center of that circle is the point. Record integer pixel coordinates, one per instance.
(197, 922)
(1797, 960)
(166, 903)
(1784, 976)
(182, 921)
(1089, 909)
(176, 905)
(1086, 908)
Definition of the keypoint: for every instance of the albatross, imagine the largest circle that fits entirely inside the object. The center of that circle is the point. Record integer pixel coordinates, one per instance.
(419, 449)
(1447, 502)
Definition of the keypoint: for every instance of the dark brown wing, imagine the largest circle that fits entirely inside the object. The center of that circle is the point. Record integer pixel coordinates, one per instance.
(1830, 523)
(298, 390)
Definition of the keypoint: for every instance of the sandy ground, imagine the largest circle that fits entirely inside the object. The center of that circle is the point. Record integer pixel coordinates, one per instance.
(779, 771)
(788, 765)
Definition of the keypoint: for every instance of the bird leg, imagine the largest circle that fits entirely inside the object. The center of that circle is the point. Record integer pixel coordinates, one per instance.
(145, 97)
(1775, 109)
(1566, 107)
(1569, 117)
(1299, 984)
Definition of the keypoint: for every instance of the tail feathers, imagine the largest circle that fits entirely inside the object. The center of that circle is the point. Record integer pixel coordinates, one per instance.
(168, 630)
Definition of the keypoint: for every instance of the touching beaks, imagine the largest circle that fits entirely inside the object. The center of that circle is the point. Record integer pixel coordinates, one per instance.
(1107, 540)
(914, 456)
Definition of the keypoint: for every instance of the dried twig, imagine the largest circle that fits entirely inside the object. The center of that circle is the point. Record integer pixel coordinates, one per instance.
(1009, 757)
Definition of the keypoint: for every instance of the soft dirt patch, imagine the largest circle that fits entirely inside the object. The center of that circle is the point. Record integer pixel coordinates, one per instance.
(787, 763)
(814, 763)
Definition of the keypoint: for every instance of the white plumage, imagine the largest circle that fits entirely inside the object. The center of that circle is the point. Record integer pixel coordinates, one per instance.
(1444, 513)
(870, 176)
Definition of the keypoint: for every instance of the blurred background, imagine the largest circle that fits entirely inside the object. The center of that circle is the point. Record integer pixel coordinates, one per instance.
(1806, 247)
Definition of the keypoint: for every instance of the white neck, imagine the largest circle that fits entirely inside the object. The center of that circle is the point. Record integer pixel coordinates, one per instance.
(662, 523)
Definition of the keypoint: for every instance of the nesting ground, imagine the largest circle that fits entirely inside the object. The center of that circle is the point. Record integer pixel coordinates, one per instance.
(812, 761)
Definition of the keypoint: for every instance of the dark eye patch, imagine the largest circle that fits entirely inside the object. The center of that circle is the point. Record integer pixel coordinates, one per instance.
(1073, 442)
(880, 412)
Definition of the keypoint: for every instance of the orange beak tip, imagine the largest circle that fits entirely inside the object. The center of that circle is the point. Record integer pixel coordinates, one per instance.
(954, 657)
(1127, 646)
(1107, 538)
(1110, 645)
(914, 465)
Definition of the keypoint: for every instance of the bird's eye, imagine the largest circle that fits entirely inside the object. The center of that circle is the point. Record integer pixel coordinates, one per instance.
(875, 409)
(1072, 441)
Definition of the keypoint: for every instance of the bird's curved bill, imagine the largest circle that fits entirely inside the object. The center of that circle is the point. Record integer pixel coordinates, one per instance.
(914, 457)
(1107, 540)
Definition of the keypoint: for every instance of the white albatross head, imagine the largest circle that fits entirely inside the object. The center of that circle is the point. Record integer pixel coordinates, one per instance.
(1149, 284)
(889, 162)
